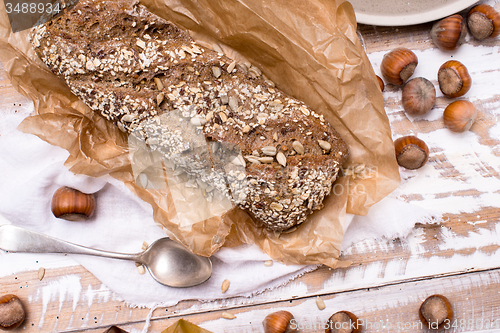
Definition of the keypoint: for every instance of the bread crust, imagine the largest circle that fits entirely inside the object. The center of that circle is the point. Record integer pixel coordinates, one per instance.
(225, 125)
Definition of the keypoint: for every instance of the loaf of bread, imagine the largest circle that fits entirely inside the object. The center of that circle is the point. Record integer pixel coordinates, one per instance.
(220, 122)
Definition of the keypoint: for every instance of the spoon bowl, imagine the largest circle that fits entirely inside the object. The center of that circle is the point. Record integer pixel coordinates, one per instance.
(168, 262)
(171, 264)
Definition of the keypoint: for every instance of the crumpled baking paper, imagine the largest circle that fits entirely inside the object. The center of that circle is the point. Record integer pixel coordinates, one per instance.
(309, 49)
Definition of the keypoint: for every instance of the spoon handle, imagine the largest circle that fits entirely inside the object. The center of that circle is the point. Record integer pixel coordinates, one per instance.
(16, 239)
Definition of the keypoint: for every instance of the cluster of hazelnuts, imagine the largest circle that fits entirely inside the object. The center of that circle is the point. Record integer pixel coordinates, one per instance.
(284, 322)
(435, 313)
(419, 94)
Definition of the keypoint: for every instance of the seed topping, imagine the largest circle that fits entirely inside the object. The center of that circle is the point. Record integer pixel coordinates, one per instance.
(298, 147)
(281, 158)
(325, 145)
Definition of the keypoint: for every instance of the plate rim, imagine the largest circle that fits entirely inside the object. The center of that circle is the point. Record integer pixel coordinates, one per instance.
(417, 18)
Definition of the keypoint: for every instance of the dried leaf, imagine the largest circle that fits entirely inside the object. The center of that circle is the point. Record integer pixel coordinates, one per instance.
(183, 326)
(114, 329)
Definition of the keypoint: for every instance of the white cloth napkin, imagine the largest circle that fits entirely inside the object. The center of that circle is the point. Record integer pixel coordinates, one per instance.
(31, 170)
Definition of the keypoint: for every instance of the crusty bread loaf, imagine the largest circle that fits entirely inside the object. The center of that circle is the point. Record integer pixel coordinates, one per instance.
(222, 123)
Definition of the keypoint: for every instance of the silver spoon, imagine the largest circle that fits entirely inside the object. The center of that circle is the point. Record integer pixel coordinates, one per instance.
(168, 262)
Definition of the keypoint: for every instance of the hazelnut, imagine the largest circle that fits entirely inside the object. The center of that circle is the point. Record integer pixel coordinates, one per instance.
(459, 116)
(449, 33)
(343, 322)
(454, 79)
(418, 96)
(398, 65)
(435, 311)
(380, 83)
(411, 152)
(279, 322)
(72, 205)
(483, 22)
(12, 312)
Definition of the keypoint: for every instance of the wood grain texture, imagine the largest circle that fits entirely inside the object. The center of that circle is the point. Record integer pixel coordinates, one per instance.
(390, 308)
(384, 285)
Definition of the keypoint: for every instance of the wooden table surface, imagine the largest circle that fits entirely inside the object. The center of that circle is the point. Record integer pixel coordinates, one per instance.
(387, 281)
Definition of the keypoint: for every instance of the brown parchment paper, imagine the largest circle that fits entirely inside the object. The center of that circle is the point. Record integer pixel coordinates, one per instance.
(308, 48)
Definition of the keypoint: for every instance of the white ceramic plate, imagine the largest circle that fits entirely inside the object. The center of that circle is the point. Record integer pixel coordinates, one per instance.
(405, 12)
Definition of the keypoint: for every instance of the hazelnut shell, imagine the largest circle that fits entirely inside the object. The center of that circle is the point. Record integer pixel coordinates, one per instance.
(483, 22)
(380, 83)
(418, 96)
(72, 205)
(398, 65)
(454, 79)
(435, 311)
(411, 152)
(12, 312)
(459, 116)
(278, 322)
(114, 329)
(340, 318)
(449, 33)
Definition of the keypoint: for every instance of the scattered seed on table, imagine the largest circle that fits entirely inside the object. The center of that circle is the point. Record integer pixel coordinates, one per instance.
(225, 285)
(41, 273)
(320, 303)
(227, 315)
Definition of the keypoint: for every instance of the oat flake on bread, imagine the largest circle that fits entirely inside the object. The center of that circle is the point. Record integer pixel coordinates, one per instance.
(224, 126)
